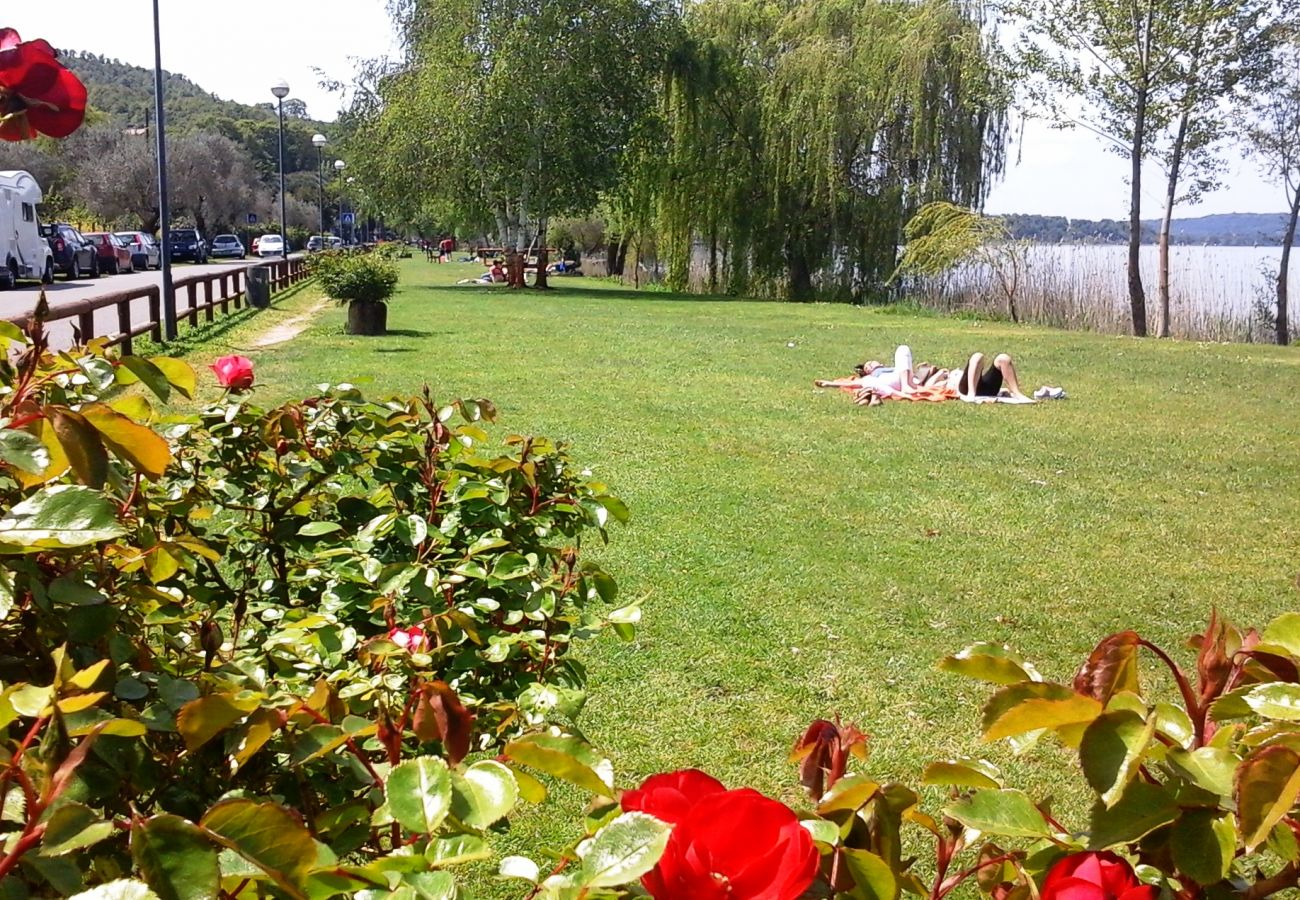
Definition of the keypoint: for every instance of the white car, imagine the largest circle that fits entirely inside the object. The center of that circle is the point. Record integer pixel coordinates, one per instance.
(270, 245)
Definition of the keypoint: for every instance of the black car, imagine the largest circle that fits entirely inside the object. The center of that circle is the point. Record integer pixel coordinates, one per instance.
(188, 244)
(74, 256)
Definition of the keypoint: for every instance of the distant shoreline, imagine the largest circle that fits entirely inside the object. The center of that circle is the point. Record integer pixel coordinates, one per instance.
(1220, 230)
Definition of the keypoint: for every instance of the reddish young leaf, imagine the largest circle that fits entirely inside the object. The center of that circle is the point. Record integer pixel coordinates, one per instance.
(440, 716)
(824, 750)
(1110, 668)
(1214, 662)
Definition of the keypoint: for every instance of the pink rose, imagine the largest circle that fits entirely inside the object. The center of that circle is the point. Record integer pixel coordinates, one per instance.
(412, 640)
(1095, 876)
(234, 373)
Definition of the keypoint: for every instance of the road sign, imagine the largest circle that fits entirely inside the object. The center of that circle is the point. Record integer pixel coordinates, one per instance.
(347, 218)
(252, 218)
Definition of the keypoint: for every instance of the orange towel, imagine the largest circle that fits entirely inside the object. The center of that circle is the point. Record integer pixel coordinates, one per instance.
(931, 394)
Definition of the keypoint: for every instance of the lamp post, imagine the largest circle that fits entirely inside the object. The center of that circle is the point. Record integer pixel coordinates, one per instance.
(281, 90)
(319, 141)
(339, 166)
(164, 205)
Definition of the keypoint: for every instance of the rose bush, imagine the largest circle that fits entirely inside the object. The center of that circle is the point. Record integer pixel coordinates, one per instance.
(38, 95)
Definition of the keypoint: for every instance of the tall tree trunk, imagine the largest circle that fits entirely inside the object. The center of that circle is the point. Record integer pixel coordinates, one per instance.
(1283, 331)
(713, 258)
(801, 286)
(1171, 197)
(542, 256)
(1136, 295)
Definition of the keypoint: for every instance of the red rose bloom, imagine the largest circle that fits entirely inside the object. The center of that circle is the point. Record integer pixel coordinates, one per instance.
(735, 845)
(670, 796)
(37, 94)
(234, 372)
(1095, 876)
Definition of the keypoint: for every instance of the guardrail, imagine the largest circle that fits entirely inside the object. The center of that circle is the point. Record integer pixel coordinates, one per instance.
(231, 288)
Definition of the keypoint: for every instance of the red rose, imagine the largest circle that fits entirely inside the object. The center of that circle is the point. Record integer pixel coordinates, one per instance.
(37, 94)
(737, 845)
(1095, 876)
(412, 640)
(670, 796)
(234, 372)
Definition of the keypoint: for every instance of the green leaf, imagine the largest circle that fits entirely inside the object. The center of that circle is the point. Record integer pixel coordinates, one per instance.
(268, 836)
(178, 373)
(565, 757)
(850, 793)
(1030, 706)
(964, 772)
(822, 830)
(1005, 812)
(419, 793)
(73, 827)
(1277, 700)
(138, 445)
(24, 451)
(1284, 633)
(121, 889)
(175, 858)
(458, 848)
(486, 792)
(316, 529)
(1266, 787)
(1142, 809)
(137, 368)
(201, 720)
(623, 850)
(1111, 752)
(994, 663)
(873, 879)
(427, 886)
(1203, 842)
(81, 443)
(1209, 768)
(511, 565)
(65, 515)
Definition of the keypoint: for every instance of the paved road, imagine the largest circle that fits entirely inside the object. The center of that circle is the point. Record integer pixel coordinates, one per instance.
(21, 300)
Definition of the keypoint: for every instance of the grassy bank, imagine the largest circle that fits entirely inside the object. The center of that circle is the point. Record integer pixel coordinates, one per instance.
(800, 556)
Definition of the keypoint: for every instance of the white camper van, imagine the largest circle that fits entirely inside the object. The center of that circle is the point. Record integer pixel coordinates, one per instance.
(25, 253)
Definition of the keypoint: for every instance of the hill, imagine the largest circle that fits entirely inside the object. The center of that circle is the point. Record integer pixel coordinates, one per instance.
(1224, 229)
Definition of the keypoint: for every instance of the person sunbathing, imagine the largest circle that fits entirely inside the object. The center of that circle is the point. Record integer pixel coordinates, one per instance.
(975, 384)
(873, 382)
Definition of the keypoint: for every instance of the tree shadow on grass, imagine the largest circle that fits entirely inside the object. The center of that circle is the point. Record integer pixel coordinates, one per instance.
(413, 333)
(394, 349)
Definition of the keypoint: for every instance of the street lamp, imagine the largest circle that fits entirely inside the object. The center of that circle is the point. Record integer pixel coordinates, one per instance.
(339, 166)
(281, 90)
(164, 206)
(319, 141)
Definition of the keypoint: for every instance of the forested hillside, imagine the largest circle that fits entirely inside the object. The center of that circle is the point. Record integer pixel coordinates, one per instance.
(1227, 229)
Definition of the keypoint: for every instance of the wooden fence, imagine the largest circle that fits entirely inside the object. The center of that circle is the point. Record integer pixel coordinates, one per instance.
(195, 294)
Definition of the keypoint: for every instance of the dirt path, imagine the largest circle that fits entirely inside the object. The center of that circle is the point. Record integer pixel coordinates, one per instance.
(290, 328)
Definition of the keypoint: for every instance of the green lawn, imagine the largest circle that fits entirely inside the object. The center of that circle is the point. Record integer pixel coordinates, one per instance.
(802, 557)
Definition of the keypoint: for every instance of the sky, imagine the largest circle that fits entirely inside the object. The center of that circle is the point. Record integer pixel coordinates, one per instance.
(238, 50)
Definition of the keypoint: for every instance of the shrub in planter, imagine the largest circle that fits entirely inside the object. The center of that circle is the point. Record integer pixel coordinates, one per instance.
(364, 281)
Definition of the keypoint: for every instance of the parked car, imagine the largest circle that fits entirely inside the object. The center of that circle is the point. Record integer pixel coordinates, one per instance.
(228, 245)
(187, 243)
(253, 248)
(74, 256)
(270, 245)
(114, 253)
(314, 243)
(145, 252)
(24, 252)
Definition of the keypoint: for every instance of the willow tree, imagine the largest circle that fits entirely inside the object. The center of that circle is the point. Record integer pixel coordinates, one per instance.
(802, 134)
(509, 112)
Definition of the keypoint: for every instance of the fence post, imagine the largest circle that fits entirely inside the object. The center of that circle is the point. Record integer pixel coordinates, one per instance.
(225, 294)
(124, 324)
(207, 299)
(238, 291)
(86, 325)
(155, 314)
(191, 292)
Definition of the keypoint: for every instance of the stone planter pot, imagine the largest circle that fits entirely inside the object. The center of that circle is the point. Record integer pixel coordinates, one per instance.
(367, 317)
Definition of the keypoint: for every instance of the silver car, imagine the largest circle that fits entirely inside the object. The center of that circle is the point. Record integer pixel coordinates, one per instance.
(145, 252)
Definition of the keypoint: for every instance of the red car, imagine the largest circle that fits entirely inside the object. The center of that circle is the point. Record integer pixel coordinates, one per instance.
(114, 253)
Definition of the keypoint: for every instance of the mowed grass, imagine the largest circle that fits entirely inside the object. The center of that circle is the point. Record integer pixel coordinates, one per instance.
(801, 557)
